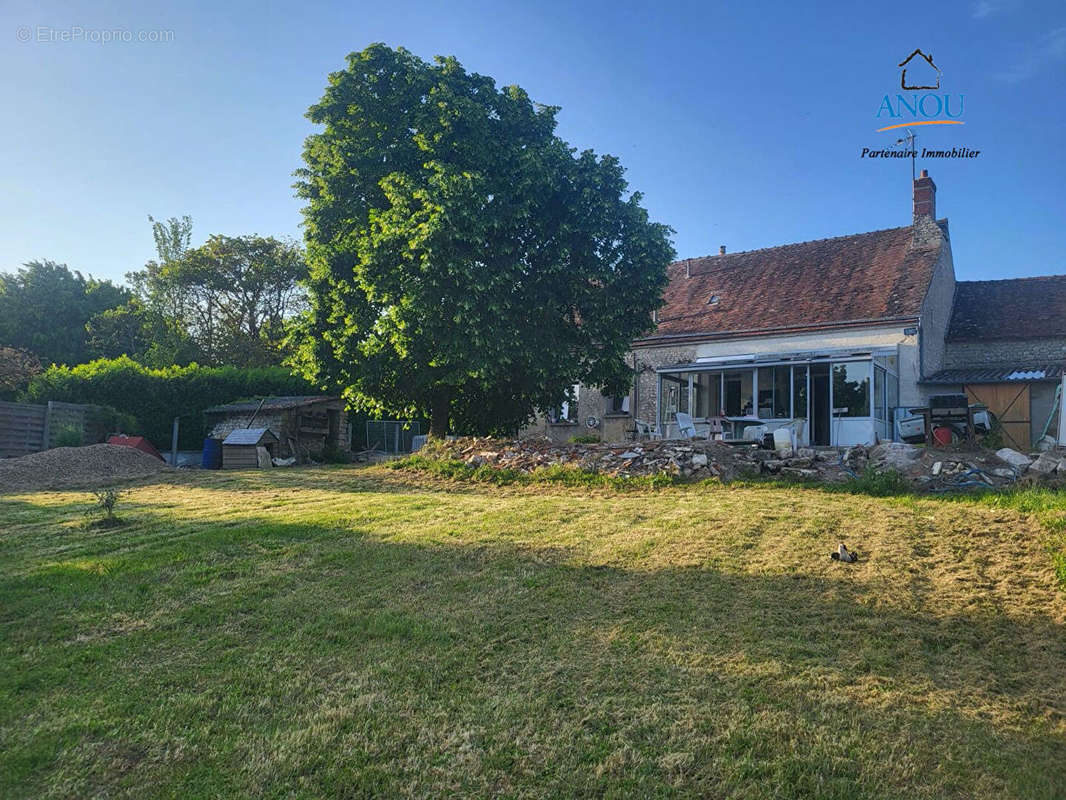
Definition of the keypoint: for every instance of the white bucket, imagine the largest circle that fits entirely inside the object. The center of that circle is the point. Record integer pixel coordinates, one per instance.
(783, 440)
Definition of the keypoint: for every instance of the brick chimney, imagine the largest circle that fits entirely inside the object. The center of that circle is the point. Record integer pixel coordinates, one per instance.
(924, 197)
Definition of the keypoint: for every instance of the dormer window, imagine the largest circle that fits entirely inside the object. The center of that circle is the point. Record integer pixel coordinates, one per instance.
(714, 300)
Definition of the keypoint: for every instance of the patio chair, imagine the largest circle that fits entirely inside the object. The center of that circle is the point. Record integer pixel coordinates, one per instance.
(685, 425)
(647, 430)
(715, 428)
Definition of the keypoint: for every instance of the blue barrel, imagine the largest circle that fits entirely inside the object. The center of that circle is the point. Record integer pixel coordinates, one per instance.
(212, 454)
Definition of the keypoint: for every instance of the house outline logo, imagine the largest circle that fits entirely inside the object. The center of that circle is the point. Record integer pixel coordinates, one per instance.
(928, 60)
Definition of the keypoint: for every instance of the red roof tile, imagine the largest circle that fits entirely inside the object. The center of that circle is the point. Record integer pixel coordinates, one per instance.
(1022, 308)
(824, 283)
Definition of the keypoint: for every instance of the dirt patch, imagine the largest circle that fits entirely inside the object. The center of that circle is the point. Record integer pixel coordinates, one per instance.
(76, 468)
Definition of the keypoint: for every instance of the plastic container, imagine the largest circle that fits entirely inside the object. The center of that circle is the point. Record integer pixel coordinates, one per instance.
(783, 440)
(212, 458)
(941, 436)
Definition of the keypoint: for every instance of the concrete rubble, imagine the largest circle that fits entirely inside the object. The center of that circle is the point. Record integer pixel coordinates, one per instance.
(927, 469)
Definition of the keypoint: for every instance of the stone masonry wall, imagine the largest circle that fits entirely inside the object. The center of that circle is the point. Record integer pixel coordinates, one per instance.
(959, 355)
(590, 403)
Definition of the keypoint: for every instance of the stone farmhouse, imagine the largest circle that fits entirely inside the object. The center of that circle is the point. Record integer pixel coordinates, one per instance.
(832, 337)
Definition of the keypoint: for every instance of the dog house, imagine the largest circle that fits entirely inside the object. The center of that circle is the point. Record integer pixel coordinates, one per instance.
(241, 449)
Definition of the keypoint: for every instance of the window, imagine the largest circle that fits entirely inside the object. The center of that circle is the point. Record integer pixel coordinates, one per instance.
(567, 410)
(851, 389)
(892, 396)
(618, 405)
(879, 393)
(706, 394)
(739, 387)
(774, 393)
(673, 397)
(799, 392)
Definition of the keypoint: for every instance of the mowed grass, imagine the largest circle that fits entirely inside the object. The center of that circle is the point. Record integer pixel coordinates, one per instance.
(372, 632)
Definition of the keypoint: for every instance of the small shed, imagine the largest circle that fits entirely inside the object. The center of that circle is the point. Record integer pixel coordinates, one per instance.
(306, 426)
(240, 450)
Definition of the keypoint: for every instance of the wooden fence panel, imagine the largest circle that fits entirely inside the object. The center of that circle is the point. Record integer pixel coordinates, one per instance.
(27, 428)
(22, 429)
(64, 416)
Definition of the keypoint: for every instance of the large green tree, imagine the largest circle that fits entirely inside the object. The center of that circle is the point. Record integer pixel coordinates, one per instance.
(464, 260)
(45, 306)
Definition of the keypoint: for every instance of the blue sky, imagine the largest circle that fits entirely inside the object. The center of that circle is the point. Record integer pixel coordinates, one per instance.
(741, 124)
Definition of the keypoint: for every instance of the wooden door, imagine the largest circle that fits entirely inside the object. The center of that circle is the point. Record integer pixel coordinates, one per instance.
(1010, 403)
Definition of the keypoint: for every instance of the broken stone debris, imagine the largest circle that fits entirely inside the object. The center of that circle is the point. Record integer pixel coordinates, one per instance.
(1017, 460)
(932, 469)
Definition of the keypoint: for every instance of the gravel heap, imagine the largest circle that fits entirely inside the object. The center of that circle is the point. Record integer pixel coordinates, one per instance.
(76, 467)
(927, 469)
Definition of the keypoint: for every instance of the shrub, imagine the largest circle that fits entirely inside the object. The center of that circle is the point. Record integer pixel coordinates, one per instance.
(585, 438)
(68, 436)
(155, 396)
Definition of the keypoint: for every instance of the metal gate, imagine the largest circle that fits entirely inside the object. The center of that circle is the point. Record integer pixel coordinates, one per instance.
(391, 435)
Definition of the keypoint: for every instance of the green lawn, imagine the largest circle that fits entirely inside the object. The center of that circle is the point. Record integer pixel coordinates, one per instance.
(352, 632)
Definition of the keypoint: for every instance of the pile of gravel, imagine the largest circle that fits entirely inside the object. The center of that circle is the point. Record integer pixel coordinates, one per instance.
(76, 467)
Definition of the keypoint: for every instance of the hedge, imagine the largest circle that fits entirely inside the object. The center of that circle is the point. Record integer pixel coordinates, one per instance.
(155, 396)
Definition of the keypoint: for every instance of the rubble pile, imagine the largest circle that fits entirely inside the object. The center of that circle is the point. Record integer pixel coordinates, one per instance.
(685, 458)
(931, 469)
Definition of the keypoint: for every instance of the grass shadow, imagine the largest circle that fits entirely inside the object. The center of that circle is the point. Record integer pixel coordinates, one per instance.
(278, 656)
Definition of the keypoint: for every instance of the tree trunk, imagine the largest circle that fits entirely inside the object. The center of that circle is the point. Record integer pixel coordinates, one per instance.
(440, 410)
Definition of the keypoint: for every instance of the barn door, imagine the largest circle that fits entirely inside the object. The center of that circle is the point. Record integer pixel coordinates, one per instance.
(1010, 403)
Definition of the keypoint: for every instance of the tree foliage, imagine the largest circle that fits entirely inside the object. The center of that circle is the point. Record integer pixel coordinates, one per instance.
(464, 260)
(44, 308)
(16, 369)
(232, 296)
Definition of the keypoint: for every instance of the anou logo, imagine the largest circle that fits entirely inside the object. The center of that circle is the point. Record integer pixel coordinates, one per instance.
(924, 106)
(923, 103)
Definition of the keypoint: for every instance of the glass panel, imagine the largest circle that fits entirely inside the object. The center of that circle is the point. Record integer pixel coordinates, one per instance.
(766, 393)
(706, 386)
(799, 389)
(879, 393)
(674, 393)
(738, 393)
(774, 394)
(893, 398)
(892, 362)
(782, 393)
(851, 389)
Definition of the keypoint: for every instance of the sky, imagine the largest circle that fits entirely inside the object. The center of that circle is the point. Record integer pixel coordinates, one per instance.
(741, 124)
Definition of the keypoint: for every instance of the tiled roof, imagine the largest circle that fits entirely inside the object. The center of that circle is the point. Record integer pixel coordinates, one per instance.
(1022, 308)
(1004, 373)
(882, 275)
(270, 404)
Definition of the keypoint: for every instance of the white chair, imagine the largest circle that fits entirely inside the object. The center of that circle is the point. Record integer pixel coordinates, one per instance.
(646, 430)
(754, 433)
(685, 426)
